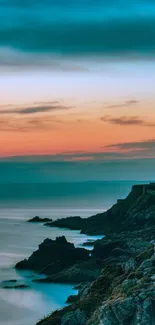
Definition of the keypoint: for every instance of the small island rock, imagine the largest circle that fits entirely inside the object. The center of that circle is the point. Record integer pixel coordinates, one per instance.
(38, 219)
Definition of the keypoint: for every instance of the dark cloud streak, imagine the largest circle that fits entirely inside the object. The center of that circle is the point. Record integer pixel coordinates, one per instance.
(143, 145)
(127, 121)
(125, 104)
(34, 109)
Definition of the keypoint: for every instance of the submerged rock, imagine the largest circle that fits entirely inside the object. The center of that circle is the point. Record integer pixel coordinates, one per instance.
(20, 286)
(13, 284)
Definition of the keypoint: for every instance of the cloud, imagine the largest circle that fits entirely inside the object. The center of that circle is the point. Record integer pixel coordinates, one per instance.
(34, 109)
(114, 152)
(127, 121)
(140, 145)
(125, 104)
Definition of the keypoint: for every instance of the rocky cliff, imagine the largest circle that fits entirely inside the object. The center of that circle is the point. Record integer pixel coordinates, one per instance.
(136, 210)
(124, 291)
(117, 282)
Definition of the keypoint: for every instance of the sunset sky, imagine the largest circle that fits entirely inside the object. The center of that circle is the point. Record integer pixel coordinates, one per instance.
(77, 80)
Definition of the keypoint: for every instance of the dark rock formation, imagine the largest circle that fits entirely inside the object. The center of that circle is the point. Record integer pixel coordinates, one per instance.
(13, 284)
(38, 219)
(137, 209)
(73, 223)
(72, 299)
(123, 293)
(81, 272)
(75, 317)
(120, 295)
(53, 256)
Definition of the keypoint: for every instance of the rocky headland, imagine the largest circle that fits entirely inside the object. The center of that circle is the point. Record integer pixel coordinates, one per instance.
(136, 210)
(116, 284)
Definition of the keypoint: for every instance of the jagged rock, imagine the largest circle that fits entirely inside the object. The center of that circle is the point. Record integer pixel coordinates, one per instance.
(129, 282)
(53, 256)
(130, 265)
(83, 291)
(146, 264)
(124, 291)
(129, 311)
(76, 317)
(144, 313)
(116, 312)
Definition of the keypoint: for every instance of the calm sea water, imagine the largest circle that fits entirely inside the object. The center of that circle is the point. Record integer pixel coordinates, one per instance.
(18, 239)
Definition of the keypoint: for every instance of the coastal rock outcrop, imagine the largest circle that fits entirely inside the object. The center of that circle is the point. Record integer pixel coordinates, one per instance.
(53, 256)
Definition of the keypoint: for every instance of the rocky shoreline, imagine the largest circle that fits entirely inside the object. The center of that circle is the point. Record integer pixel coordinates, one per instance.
(123, 293)
(117, 282)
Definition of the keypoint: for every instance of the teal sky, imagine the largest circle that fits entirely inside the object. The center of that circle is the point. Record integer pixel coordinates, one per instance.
(78, 27)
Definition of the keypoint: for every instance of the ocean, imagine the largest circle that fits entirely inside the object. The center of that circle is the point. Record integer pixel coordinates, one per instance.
(18, 238)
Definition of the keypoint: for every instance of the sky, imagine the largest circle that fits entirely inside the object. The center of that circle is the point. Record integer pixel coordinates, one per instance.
(77, 87)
